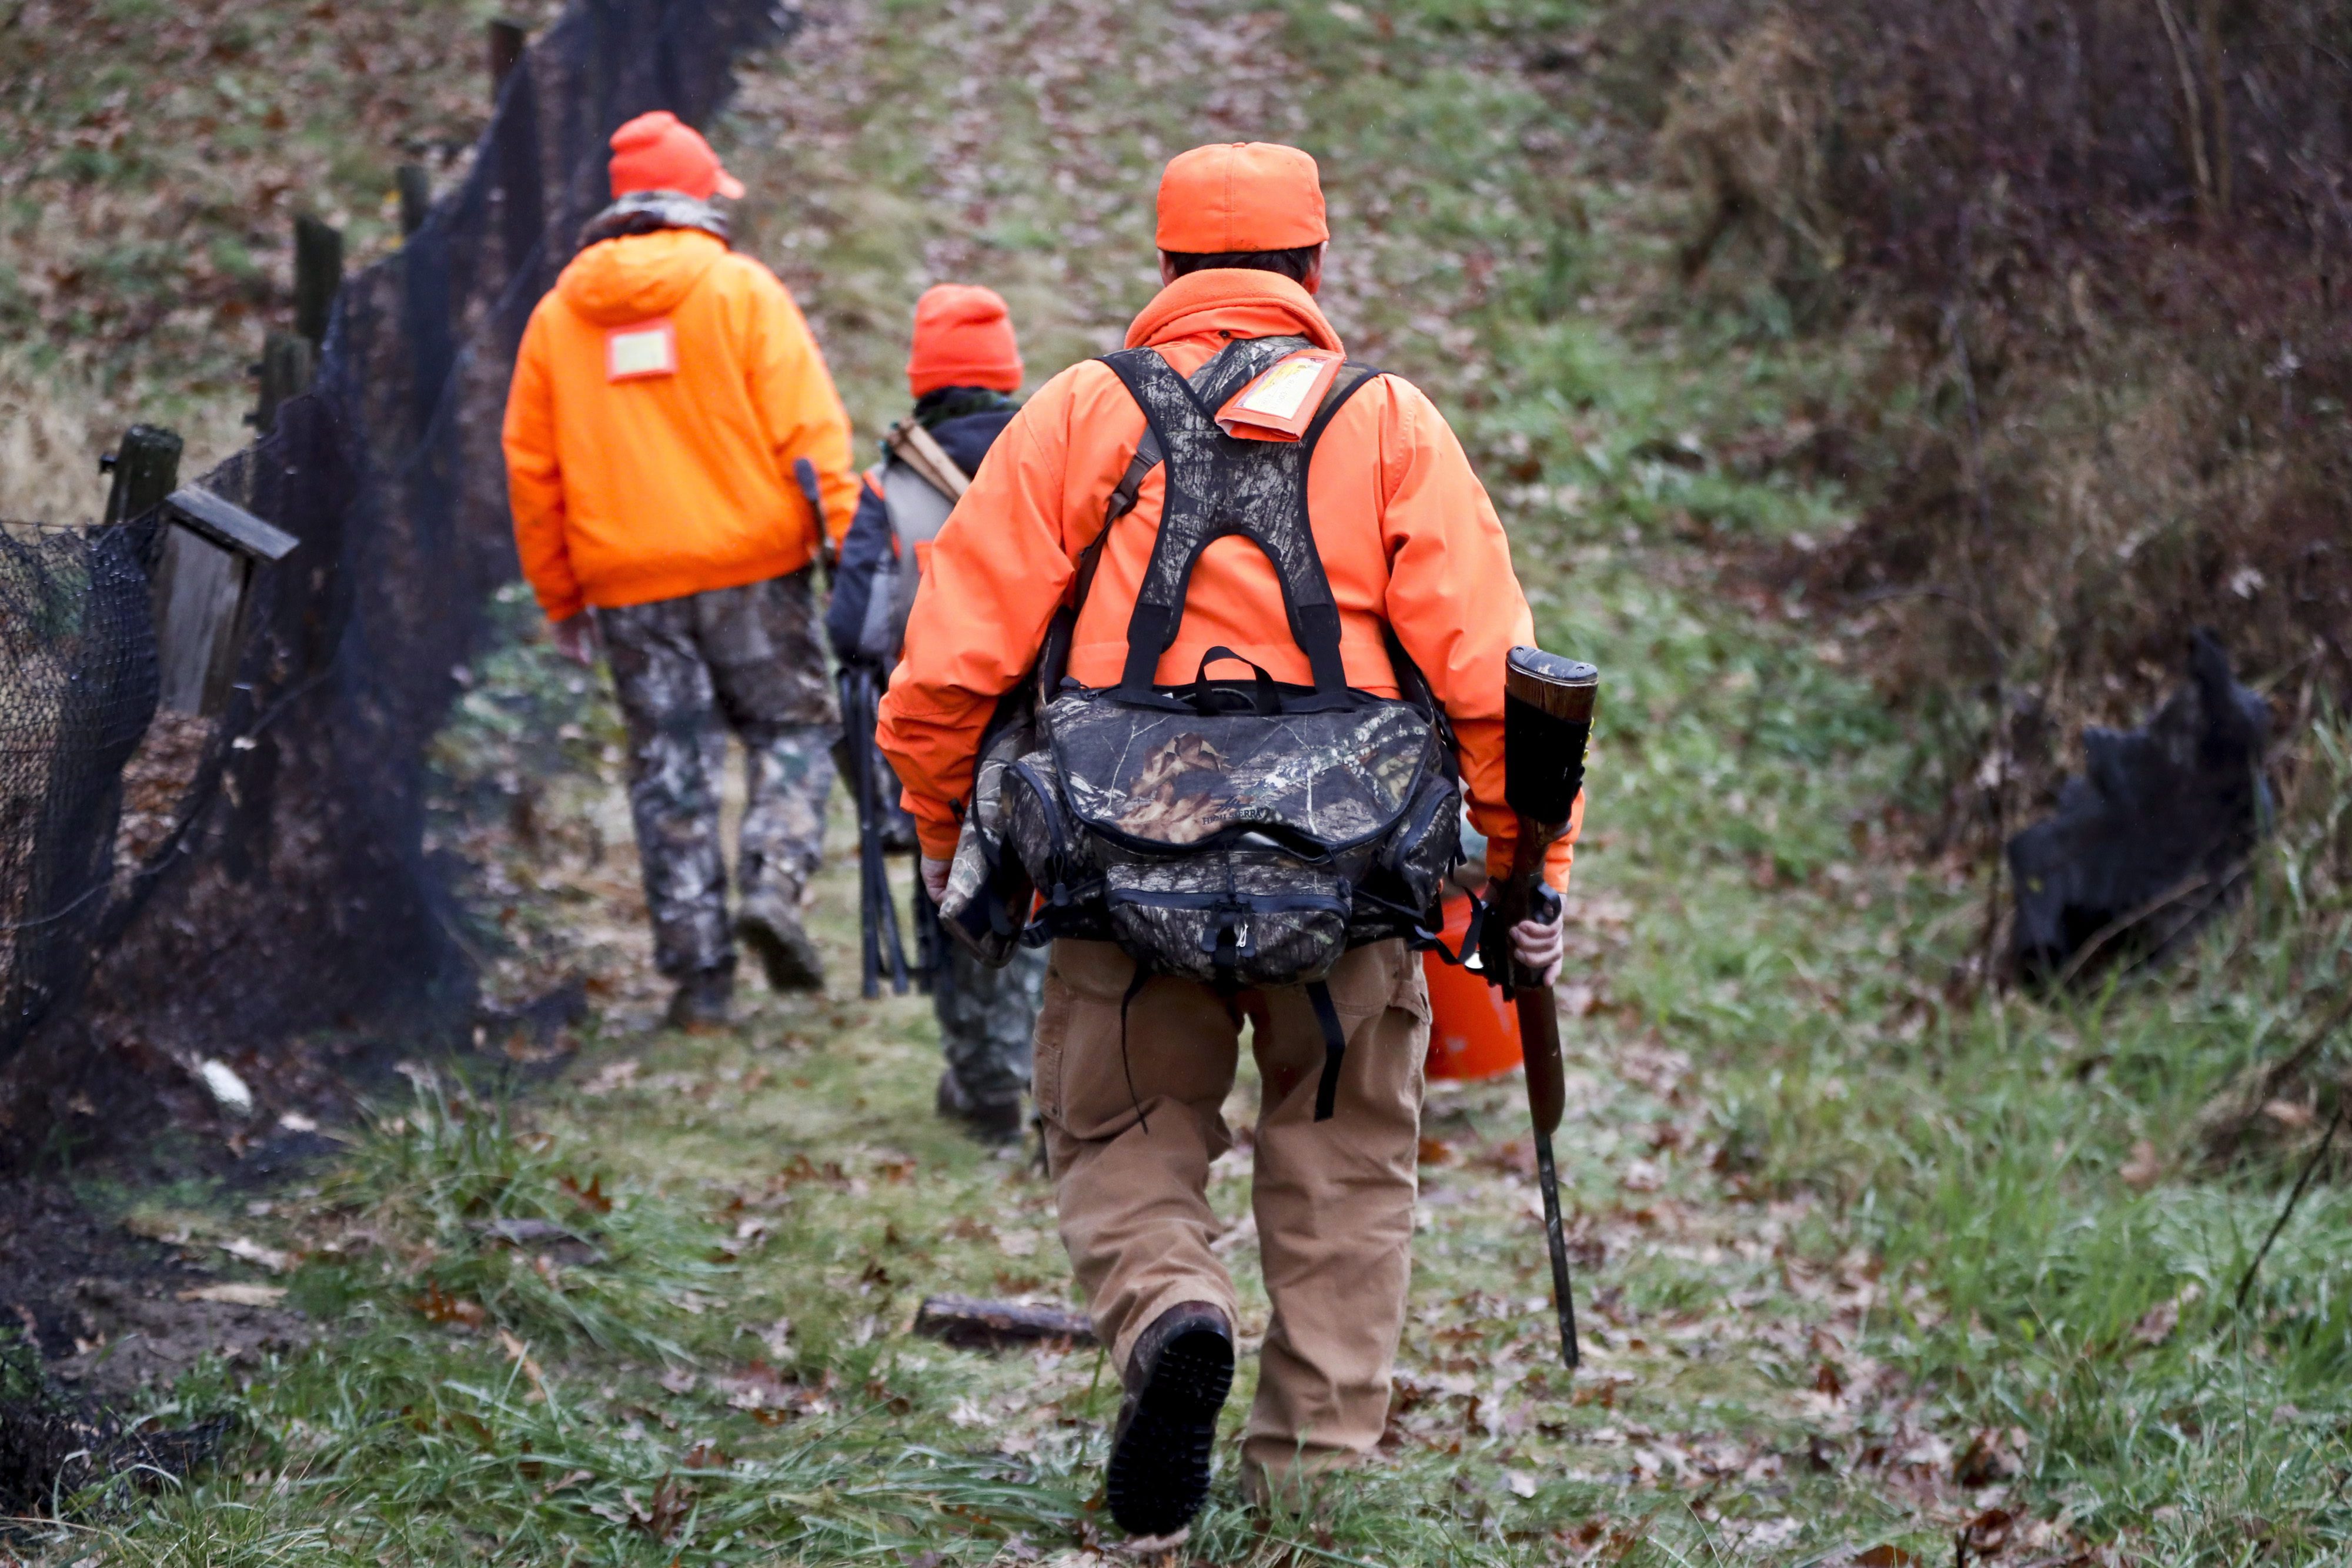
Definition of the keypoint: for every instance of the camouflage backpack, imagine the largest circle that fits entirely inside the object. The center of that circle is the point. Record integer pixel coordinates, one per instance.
(1240, 832)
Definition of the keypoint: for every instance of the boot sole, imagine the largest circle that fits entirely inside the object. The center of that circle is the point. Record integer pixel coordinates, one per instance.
(790, 966)
(1159, 1466)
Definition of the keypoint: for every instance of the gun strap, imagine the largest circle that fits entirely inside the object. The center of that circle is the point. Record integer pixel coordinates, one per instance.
(1435, 941)
(805, 476)
(1123, 498)
(1335, 1049)
(1053, 659)
(919, 450)
(1142, 977)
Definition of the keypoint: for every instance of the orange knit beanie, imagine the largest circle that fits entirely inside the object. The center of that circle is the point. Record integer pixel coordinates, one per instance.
(963, 337)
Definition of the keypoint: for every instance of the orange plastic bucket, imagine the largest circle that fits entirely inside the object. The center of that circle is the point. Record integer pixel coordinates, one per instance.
(1473, 1033)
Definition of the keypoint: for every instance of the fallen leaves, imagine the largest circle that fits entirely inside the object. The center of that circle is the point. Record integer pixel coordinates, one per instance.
(672, 1505)
(591, 1197)
(570, 1478)
(1994, 1454)
(437, 1306)
(1513, 1156)
(1580, 1000)
(772, 1396)
(800, 1168)
(2156, 1324)
(2142, 1169)
(1988, 1533)
(519, 1354)
(611, 1077)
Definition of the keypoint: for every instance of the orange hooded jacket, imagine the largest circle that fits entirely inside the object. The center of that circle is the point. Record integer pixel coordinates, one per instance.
(674, 482)
(1407, 535)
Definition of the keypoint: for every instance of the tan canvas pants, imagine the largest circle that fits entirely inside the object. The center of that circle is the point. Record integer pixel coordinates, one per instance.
(1131, 1136)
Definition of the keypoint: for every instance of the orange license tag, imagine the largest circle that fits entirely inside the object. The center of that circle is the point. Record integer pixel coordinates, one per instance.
(644, 349)
(1281, 403)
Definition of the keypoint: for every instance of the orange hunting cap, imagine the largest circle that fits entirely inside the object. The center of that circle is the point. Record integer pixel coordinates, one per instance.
(659, 152)
(1241, 195)
(963, 337)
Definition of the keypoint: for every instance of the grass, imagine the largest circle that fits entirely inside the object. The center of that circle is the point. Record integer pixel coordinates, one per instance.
(1868, 1254)
(152, 159)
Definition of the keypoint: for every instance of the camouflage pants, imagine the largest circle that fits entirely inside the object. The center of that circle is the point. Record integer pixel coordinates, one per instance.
(987, 1016)
(747, 656)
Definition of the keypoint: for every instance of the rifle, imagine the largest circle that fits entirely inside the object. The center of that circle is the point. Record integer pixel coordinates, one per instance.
(869, 780)
(1548, 703)
(864, 770)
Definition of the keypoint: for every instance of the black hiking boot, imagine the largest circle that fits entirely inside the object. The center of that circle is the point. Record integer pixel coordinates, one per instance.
(769, 925)
(994, 1123)
(1177, 1381)
(703, 1001)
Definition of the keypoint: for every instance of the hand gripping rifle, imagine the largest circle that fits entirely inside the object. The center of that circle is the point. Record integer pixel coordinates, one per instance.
(1546, 717)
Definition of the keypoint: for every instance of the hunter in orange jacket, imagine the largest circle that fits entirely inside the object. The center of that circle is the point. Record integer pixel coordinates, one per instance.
(663, 391)
(1132, 1067)
(666, 393)
(1437, 568)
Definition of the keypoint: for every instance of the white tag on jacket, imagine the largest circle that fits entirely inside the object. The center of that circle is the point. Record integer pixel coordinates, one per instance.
(1281, 390)
(1280, 404)
(642, 349)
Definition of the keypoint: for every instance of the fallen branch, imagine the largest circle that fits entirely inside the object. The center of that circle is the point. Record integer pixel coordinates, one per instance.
(2310, 1167)
(969, 1324)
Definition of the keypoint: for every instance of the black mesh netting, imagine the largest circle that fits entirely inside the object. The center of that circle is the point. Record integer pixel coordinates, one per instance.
(79, 657)
(246, 880)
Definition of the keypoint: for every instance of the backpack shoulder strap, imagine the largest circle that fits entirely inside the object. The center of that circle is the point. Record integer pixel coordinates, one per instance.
(1219, 486)
(1054, 659)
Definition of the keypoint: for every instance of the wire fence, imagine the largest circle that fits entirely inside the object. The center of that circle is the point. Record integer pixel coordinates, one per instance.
(217, 887)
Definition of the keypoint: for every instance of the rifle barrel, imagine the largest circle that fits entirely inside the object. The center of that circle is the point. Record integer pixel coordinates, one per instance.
(879, 945)
(1556, 1240)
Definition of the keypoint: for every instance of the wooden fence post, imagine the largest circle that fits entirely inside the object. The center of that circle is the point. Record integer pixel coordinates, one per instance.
(289, 360)
(146, 468)
(506, 39)
(318, 272)
(416, 197)
(203, 585)
(288, 365)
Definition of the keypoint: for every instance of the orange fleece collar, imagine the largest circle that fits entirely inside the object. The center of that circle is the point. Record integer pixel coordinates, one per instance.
(1243, 301)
